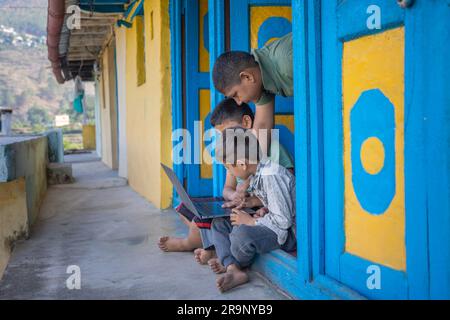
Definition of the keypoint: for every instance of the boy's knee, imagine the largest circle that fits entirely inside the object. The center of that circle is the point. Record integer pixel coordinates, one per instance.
(242, 242)
(241, 234)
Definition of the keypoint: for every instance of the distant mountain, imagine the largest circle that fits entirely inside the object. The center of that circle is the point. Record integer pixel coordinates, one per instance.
(29, 16)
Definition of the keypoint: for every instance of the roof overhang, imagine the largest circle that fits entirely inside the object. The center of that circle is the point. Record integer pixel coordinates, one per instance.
(104, 6)
(75, 51)
(135, 8)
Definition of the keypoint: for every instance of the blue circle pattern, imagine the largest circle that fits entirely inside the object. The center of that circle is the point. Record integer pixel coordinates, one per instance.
(373, 116)
(273, 27)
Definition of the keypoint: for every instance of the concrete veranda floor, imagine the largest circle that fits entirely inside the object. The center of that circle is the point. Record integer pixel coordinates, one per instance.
(101, 225)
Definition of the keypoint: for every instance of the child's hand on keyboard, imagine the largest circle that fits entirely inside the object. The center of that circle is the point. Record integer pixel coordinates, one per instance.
(261, 212)
(250, 202)
(239, 217)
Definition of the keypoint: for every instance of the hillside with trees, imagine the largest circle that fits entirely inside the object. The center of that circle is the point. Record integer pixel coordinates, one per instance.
(27, 84)
(25, 16)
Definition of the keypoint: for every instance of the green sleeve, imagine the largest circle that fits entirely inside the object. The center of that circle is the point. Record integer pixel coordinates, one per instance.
(266, 98)
(280, 155)
(285, 158)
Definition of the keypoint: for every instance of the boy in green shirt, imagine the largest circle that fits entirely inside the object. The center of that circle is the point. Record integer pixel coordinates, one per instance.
(257, 78)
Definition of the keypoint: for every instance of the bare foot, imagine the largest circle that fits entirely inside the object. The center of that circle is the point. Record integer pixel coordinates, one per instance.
(202, 256)
(232, 278)
(216, 266)
(169, 244)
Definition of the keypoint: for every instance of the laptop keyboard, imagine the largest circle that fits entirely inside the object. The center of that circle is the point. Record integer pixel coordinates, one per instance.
(210, 208)
(215, 209)
(208, 205)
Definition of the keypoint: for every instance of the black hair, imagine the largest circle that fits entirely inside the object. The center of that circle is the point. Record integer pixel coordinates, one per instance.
(238, 143)
(228, 66)
(229, 110)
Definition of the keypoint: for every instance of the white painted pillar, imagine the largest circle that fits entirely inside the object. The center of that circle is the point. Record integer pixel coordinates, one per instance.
(98, 122)
(121, 51)
(6, 115)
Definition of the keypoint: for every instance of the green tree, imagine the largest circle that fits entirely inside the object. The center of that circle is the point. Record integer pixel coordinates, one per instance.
(9, 99)
(42, 76)
(23, 99)
(90, 108)
(66, 108)
(38, 116)
(50, 89)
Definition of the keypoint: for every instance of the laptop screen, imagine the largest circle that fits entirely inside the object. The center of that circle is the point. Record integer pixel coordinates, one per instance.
(180, 189)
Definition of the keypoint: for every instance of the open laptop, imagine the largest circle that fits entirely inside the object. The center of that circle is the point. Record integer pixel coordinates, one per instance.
(203, 210)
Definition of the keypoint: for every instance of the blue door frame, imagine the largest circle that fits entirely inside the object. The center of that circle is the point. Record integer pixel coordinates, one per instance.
(424, 276)
(176, 61)
(194, 82)
(338, 28)
(217, 45)
(197, 186)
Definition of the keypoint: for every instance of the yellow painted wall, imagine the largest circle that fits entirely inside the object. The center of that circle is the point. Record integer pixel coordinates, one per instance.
(203, 54)
(140, 53)
(378, 238)
(206, 171)
(148, 107)
(259, 14)
(89, 137)
(13, 217)
(286, 120)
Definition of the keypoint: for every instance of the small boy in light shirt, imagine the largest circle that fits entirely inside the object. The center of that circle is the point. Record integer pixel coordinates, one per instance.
(239, 239)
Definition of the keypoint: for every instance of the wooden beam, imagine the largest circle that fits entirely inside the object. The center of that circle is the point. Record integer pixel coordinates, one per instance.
(84, 18)
(86, 72)
(83, 56)
(85, 62)
(92, 30)
(88, 38)
(86, 42)
(87, 68)
(82, 32)
(89, 46)
(99, 23)
(99, 17)
(84, 49)
(95, 35)
(82, 36)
